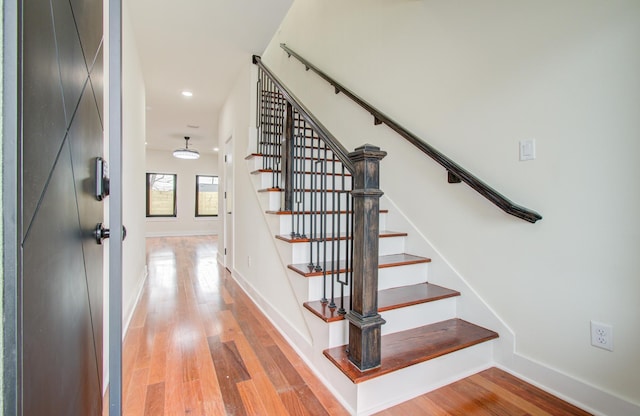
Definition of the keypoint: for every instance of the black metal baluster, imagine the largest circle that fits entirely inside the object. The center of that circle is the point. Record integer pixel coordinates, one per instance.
(323, 219)
(312, 203)
(267, 116)
(277, 140)
(294, 184)
(294, 167)
(350, 276)
(318, 198)
(299, 179)
(335, 242)
(303, 173)
(258, 110)
(341, 311)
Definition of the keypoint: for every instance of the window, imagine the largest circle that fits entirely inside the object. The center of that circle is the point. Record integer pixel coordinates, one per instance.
(161, 195)
(206, 196)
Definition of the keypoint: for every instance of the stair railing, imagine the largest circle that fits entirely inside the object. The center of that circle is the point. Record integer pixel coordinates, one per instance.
(333, 198)
(455, 173)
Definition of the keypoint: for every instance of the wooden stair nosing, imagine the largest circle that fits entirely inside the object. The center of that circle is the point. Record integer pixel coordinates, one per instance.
(254, 155)
(293, 240)
(390, 260)
(259, 171)
(382, 211)
(414, 346)
(305, 190)
(388, 299)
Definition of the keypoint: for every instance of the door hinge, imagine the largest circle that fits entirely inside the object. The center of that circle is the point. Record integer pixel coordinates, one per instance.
(225, 158)
(225, 195)
(225, 251)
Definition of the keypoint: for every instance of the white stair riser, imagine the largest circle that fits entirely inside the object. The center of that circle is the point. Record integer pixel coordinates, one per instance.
(306, 164)
(274, 200)
(422, 314)
(388, 277)
(326, 335)
(382, 392)
(302, 222)
(316, 292)
(307, 181)
(302, 253)
(271, 201)
(398, 320)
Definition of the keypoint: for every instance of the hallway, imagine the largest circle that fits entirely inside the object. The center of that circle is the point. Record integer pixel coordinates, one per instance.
(198, 346)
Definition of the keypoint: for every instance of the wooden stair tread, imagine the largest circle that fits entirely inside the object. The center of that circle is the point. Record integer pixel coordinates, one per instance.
(382, 211)
(259, 171)
(388, 299)
(255, 155)
(391, 260)
(344, 191)
(406, 348)
(289, 239)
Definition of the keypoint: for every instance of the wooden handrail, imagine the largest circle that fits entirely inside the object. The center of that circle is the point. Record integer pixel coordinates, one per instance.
(455, 171)
(333, 143)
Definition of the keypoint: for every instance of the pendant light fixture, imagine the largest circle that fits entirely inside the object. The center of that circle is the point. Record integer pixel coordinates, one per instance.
(186, 153)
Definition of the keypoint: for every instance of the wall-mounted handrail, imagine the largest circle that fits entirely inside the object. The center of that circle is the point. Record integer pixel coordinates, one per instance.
(320, 130)
(456, 172)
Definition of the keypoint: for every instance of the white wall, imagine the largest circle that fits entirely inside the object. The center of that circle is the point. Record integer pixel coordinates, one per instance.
(185, 223)
(474, 78)
(133, 156)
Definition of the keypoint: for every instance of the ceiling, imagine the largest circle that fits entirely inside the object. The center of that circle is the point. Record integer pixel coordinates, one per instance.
(199, 46)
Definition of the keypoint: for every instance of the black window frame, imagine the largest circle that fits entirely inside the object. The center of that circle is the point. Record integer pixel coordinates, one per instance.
(198, 199)
(175, 195)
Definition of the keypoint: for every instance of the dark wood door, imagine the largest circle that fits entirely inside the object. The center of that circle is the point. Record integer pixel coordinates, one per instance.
(60, 264)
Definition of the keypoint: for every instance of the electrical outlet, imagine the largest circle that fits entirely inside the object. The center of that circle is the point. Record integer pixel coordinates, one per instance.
(602, 335)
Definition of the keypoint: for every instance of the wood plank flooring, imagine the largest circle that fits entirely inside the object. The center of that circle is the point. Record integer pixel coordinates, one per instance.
(198, 346)
(490, 392)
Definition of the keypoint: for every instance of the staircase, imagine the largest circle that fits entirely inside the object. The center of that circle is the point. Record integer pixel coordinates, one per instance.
(424, 344)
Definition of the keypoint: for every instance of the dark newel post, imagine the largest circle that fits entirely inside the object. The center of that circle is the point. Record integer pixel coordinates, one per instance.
(287, 159)
(364, 320)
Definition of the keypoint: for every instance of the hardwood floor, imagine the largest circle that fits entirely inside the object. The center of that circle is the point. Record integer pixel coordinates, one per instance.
(197, 345)
(490, 392)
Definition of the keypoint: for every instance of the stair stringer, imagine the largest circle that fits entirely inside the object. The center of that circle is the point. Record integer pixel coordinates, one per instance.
(319, 334)
(471, 307)
(299, 337)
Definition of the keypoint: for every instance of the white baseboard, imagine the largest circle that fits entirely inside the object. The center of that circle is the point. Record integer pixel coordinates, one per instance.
(271, 313)
(568, 388)
(129, 317)
(125, 328)
(279, 323)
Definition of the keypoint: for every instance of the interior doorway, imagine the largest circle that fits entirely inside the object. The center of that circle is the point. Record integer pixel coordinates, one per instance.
(228, 204)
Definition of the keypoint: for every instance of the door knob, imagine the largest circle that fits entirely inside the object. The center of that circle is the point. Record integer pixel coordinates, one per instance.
(101, 233)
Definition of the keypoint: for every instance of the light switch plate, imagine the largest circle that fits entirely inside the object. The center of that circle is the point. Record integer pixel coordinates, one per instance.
(527, 149)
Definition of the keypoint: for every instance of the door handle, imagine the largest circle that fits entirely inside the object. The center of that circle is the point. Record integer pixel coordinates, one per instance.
(101, 233)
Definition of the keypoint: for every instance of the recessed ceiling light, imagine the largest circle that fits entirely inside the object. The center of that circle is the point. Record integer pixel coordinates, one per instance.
(193, 126)
(187, 93)
(215, 149)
